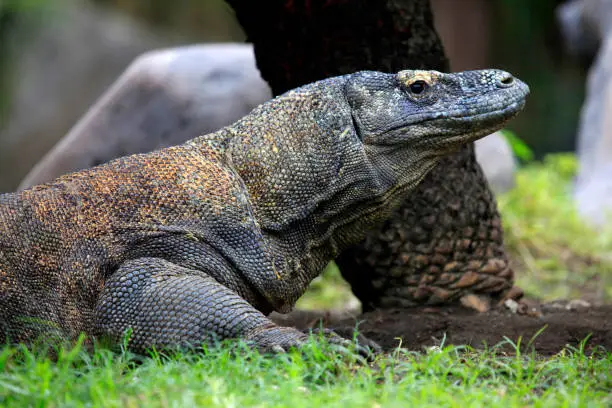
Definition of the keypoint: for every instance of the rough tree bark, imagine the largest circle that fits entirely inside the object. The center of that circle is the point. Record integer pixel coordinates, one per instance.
(446, 239)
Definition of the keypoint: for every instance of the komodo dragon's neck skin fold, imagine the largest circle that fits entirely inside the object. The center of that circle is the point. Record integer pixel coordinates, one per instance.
(204, 239)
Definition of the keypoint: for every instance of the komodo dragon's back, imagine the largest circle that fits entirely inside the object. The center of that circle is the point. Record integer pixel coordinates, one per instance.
(205, 239)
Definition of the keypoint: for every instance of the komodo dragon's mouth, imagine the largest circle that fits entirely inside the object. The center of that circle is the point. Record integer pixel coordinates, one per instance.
(491, 118)
(469, 128)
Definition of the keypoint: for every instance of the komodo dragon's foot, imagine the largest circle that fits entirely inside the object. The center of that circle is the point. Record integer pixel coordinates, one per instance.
(278, 339)
(444, 245)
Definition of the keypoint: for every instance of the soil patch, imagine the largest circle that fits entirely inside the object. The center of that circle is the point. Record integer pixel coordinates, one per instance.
(417, 328)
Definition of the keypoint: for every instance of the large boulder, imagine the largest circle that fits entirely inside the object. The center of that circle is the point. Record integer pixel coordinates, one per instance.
(168, 96)
(587, 29)
(164, 98)
(497, 160)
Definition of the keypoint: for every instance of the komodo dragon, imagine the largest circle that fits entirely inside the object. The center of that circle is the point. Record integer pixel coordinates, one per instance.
(206, 238)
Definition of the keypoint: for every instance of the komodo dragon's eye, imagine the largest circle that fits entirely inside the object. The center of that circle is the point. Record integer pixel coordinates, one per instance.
(418, 86)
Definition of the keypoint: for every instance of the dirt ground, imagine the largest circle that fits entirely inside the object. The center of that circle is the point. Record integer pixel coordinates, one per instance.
(564, 323)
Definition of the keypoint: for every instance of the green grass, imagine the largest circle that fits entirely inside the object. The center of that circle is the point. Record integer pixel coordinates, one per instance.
(328, 291)
(555, 254)
(317, 376)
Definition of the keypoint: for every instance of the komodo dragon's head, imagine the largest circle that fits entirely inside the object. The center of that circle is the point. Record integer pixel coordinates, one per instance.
(429, 113)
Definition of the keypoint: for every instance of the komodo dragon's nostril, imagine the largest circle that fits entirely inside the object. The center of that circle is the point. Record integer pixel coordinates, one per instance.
(506, 80)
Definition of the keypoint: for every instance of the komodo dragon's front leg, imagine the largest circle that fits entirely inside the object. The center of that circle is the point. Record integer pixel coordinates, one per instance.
(167, 304)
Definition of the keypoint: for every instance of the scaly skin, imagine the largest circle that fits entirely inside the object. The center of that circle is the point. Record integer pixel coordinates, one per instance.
(205, 239)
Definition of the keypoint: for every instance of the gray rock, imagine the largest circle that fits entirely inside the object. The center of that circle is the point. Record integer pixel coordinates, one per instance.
(594, 196)
(498, 162)
(71, 53)
(588, 24)
(164, 98)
